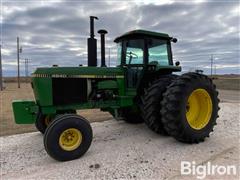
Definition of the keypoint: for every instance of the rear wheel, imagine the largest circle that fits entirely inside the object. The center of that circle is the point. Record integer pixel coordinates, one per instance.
(190, 108)
(68, 137)
(151, 103)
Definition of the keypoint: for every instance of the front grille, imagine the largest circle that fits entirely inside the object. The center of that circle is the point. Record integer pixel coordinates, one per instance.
(69, 90)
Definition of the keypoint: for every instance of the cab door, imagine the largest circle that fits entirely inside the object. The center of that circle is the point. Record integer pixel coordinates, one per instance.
(134, 61)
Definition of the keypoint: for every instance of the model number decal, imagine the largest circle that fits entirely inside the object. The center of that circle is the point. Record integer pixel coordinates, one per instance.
(75, 76)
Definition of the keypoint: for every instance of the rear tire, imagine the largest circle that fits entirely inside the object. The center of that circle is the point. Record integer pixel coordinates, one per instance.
(190, 108)
(68, 137)
(151, 103)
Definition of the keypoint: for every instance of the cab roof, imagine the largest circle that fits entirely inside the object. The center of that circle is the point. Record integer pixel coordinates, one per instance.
(141, 33)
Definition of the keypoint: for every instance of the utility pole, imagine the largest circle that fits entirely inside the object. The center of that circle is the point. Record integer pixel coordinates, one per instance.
(25, 62)
(19, 50)
(26, 68)
(109, 57)
(18, 68)
(211, 64)
(1, 79)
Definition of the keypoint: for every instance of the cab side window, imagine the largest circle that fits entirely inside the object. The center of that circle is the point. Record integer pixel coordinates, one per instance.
(158, 52)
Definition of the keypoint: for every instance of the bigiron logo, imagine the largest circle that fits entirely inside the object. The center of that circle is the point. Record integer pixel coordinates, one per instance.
(208, 169)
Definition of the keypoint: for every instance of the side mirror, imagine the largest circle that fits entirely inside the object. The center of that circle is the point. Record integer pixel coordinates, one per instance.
(174, 40)
(177, 63)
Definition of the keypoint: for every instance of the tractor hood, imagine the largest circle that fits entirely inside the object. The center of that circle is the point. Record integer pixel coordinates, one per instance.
(79, 72)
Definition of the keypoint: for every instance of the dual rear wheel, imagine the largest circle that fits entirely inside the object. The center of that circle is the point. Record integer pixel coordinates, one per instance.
(185, 107)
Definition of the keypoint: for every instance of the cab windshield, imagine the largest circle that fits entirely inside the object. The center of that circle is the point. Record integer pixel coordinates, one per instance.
(134, 51)
(131, 52)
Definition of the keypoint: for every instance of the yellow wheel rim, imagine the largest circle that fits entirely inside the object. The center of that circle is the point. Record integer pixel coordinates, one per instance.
(199, 109)
(70, 139)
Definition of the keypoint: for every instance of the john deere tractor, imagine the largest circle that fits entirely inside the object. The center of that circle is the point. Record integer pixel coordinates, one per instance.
(141, 88)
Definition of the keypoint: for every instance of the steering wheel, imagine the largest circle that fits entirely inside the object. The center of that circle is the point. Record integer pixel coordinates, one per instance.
(131, 55)
(153, 63)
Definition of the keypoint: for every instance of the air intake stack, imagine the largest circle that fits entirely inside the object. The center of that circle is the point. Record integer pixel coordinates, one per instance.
(92, 44)
(102, 32)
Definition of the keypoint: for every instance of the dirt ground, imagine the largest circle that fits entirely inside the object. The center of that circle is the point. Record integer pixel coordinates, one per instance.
(8, 126)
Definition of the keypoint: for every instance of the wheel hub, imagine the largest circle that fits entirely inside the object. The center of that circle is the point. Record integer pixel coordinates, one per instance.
(70, 139)
(199, 109)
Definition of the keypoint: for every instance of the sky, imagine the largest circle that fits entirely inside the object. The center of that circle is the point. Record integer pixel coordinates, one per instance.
(56, 31)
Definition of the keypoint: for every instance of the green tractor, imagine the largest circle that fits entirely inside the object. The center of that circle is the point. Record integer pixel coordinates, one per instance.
(141, 88)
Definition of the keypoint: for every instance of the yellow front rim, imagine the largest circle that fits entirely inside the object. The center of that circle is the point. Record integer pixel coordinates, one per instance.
(199, 109)
(47, 120)
(70, 139)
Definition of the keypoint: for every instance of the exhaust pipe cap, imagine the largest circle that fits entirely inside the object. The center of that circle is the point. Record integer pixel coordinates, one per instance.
(102, 31)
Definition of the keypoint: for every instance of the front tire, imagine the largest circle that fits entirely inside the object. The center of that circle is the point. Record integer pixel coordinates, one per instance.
(42, 122)
(68, 137)
(190, 108)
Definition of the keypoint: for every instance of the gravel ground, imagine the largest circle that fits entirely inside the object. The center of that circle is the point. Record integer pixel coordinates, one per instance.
(124, 151)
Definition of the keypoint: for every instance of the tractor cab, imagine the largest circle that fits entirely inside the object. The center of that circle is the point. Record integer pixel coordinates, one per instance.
(144, 52)
(140, 47)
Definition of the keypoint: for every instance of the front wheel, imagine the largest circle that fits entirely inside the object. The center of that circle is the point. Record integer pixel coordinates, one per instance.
(68, 137)
(189, 108)
(43, 121)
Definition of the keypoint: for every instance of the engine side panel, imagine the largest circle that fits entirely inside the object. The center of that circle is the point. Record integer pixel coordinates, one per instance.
(69, 90)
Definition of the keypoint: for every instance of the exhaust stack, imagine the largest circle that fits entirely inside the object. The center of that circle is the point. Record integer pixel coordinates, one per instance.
(102, 32)
(92, 44)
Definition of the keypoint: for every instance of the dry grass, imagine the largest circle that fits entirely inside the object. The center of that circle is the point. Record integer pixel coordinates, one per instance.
(7, 124)
(227, 82)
